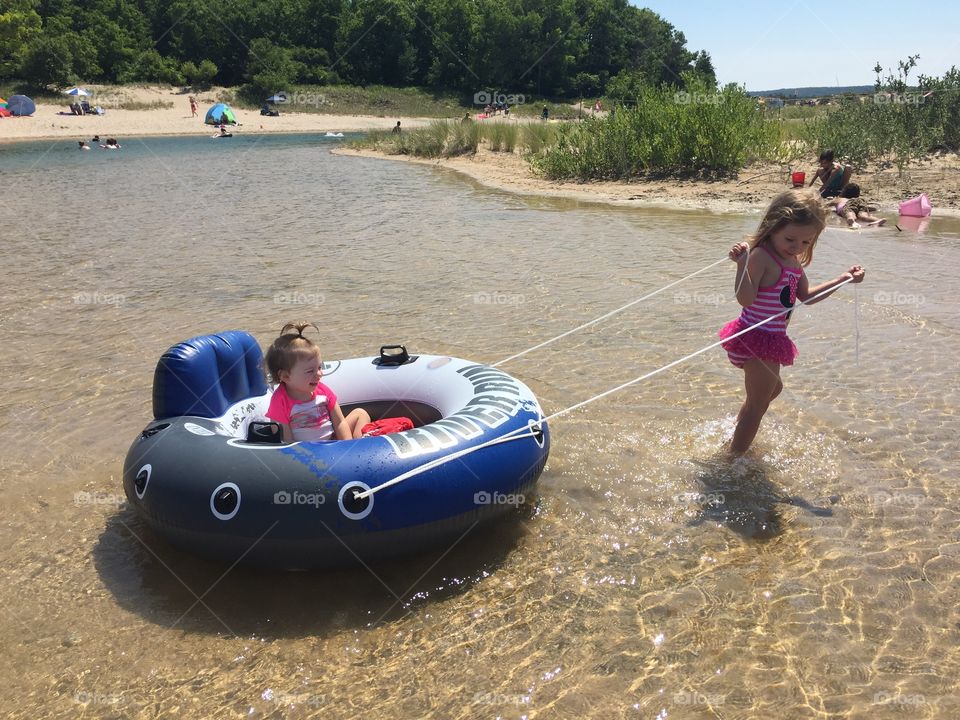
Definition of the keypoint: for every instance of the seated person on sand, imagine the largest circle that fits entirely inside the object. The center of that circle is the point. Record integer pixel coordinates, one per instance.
(833, 175)
(854, 208)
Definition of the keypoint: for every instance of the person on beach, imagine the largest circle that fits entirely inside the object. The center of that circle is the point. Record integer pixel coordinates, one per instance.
(545, 115)
(193, 106)
(854, 209)
(833, 175)
(111, 144)
(769, 280)
(306, 409)
(83, 145)
(396, 128)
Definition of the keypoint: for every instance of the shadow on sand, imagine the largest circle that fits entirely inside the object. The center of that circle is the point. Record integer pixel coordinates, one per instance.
(739, 494)
(165, 586)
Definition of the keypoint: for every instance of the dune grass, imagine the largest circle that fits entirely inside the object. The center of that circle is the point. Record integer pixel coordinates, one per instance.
(449, 138)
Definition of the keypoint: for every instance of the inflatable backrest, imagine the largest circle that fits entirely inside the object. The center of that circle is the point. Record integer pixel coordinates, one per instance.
(205, 375)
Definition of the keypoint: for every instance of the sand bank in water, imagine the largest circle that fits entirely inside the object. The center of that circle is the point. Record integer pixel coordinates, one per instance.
(749, 192)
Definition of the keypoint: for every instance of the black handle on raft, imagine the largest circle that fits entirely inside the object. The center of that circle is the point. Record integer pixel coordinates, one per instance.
(264, 433)
(393, 355)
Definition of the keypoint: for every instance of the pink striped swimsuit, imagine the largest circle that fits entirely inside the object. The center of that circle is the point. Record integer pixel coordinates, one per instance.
(768, 342)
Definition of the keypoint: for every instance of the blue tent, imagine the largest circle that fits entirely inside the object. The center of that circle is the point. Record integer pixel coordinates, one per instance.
(220, 112)
(21, 105)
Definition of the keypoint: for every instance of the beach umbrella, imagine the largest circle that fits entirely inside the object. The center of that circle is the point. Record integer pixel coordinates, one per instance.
(78, 92)
(218, 113)
(21, 105)
(3, 103)
(278, 98)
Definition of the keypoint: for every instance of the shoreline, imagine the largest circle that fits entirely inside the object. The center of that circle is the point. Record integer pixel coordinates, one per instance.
(509, 172)
(167, 113)
(130, 124)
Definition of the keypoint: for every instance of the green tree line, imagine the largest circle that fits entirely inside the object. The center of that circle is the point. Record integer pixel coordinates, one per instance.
(558, 48)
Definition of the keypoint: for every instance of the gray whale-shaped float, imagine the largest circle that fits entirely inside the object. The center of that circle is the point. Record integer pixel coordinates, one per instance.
(201, 479)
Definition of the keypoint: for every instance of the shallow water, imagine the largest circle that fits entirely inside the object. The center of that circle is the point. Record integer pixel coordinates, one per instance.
(648, 579)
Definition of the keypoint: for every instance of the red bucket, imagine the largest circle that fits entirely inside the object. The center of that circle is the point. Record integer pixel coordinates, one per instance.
(798, 178)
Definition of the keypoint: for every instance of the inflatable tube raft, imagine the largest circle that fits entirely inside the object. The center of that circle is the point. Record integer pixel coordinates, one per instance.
(201, 479)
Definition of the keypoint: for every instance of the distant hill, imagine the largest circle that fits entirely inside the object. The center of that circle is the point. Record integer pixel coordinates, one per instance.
(810, 92)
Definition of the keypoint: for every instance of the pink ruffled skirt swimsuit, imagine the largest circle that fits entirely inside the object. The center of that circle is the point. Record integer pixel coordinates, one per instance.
(768, 342)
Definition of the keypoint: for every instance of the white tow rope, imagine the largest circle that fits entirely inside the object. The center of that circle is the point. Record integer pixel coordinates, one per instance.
(532, 430)
(856, 321)
(609, 314)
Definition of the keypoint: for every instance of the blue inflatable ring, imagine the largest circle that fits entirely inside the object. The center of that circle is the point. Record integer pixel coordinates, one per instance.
(197, 480)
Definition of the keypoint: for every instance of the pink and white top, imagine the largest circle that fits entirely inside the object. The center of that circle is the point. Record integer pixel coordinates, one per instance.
(309, 420)
(773, 299)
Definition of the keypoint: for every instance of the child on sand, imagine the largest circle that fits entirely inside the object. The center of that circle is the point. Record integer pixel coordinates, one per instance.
(770, 278)
(854, 208)
(193, 106)
(833, 175)
(305, 408)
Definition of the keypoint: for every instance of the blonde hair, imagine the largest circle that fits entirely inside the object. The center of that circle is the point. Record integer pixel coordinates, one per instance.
(288, 349)
(799, 207)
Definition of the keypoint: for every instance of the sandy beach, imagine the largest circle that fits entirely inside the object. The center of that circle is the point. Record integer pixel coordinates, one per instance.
(52, 120)
(750, 191)
(939, 177)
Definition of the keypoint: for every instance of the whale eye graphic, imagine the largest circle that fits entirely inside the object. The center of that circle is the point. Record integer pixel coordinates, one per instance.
(225, 501)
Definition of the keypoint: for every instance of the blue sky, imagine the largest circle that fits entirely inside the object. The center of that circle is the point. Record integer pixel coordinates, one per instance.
(768, 45)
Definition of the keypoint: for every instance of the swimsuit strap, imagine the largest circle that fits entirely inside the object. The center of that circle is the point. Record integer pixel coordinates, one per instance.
(774, 256)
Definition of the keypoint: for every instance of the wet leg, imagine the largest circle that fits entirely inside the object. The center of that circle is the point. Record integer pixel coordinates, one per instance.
(762, 383)
(870, 219)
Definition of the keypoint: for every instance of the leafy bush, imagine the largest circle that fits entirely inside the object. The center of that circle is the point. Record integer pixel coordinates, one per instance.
(698, 130)
(152, 67)
(898, 122)
(190, 72)
(270, 68)
(48, 62)
(624, 87)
